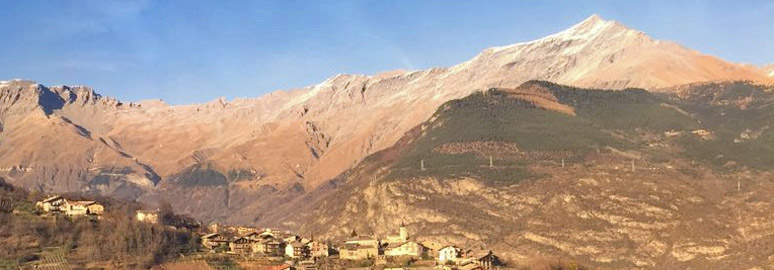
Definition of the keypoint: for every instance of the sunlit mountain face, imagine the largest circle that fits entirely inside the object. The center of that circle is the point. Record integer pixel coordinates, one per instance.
(597, 143)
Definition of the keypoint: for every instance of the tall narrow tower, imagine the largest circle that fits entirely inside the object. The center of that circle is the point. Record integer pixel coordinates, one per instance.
(403, 232)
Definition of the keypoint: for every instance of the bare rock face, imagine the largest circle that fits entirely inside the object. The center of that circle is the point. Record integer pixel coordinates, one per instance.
(43, 146)
(619, 183)
(71, 139)
(605, 218)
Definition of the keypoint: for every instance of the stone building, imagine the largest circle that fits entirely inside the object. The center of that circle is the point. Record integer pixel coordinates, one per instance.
(148, 216)
(318, 249)
(267, 246)
(359, 248)
(241, 245)
(483, 258)
(82, 208)
(408, 249)
(296, 250)
(214, 240)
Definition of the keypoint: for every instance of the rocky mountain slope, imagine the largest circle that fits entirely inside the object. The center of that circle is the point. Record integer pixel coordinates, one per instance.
(616, 179)
(231, 160)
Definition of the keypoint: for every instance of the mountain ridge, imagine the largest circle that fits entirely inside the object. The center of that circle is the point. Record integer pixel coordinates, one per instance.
(288, 142)
(589, 27)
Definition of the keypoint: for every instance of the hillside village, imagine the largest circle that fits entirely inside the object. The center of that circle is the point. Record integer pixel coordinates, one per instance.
(57, 204)
(286, 250)
(253, 242)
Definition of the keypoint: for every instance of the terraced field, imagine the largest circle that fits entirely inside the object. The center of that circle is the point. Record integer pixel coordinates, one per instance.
(52, 259)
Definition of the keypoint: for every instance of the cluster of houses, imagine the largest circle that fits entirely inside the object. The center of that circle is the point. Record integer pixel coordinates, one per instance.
(402, 245)
(268, 242)
(249, 241)
(272, 243)
(58, 205)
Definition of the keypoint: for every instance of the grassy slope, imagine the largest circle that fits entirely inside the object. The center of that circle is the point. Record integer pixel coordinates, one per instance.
(493, 116)
(626, 120)
(728, 110)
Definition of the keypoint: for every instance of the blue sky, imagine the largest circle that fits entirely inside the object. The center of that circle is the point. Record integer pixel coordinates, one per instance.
(195, 51)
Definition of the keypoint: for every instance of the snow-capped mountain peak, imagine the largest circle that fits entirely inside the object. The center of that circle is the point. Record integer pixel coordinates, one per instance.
(591, 27)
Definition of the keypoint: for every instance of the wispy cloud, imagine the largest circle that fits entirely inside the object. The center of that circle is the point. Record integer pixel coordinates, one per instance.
(90, 17)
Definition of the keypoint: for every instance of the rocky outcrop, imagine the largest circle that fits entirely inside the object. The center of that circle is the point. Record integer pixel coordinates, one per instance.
(618, 219)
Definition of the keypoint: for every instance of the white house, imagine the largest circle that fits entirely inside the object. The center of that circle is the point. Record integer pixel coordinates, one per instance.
(409, 248)
(148, 216)
(449, 253)
(82, 208)
(53, 203)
